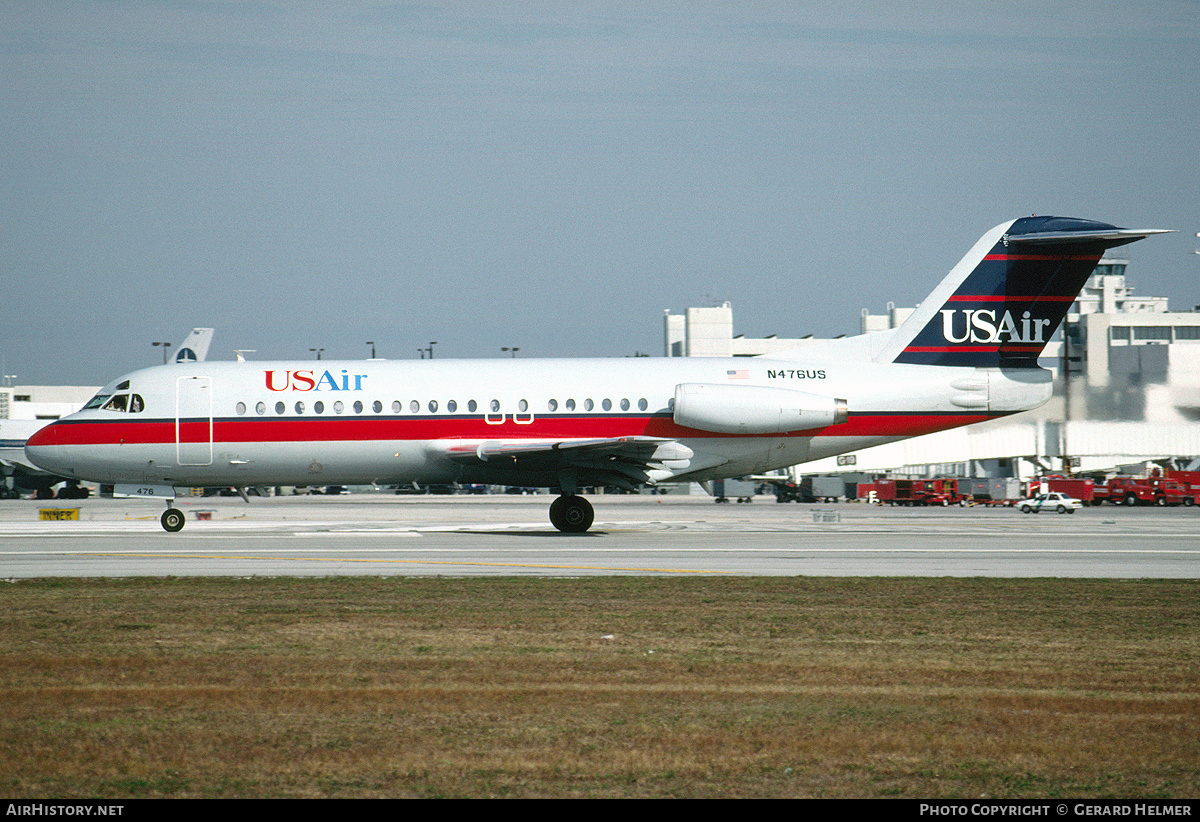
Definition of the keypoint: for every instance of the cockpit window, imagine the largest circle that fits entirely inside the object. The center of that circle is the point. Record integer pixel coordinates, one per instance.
(96, 401)
(124, 386)
(131, 403)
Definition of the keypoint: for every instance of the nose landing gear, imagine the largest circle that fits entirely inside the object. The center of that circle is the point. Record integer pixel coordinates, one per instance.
(172, 519)
(572, 514)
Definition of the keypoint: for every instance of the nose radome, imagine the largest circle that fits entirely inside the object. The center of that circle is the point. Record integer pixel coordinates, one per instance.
(43, 448)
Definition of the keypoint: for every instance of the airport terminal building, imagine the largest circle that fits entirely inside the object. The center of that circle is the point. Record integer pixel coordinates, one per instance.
(1127, 390)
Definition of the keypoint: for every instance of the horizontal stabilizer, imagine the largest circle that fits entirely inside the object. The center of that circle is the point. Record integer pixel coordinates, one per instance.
(1111, 238)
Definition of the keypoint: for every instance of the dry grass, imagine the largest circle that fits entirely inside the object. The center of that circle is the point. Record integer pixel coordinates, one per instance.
(612, 687)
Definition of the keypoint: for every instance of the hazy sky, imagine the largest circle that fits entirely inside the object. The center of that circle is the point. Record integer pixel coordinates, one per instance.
(553, 175)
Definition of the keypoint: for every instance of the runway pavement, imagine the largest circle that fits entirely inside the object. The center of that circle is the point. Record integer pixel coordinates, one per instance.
(380, 534)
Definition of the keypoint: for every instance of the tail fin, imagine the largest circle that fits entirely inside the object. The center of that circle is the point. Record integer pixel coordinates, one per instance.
(1001, 304)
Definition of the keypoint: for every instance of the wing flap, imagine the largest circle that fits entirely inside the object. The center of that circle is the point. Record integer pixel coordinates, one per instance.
(635, 449)
(623, 461)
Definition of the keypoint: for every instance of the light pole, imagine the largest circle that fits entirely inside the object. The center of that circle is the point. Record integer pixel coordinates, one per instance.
(318, 350)
(428, 350)
(165, 346)
(514, 350)
(372, 344)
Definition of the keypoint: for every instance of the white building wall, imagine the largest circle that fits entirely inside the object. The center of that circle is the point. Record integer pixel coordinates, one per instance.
(43, 402)
(710, 331)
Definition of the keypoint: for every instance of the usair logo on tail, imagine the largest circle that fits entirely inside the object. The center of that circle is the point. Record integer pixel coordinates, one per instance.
(981, 326)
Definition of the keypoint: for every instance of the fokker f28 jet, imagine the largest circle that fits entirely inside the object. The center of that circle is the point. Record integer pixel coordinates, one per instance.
(968, 353)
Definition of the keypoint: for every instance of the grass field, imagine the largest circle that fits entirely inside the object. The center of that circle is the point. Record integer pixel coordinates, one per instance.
(602, 687)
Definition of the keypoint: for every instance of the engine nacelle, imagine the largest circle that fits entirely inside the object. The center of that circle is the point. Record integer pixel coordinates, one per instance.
(754, 409)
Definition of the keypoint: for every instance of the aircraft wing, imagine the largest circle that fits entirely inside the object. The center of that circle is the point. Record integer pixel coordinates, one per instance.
(13, 461)
(622, 461)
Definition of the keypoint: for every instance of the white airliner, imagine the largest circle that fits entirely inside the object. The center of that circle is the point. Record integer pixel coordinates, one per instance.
(967, 354)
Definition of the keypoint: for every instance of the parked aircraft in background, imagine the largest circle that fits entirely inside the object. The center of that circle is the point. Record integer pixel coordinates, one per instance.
(968, 353)
(194, 347)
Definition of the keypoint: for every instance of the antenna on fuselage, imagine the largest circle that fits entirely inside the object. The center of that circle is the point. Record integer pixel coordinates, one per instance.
(241, 351)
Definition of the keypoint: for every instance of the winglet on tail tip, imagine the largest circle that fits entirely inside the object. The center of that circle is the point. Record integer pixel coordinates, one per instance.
(1001, 304)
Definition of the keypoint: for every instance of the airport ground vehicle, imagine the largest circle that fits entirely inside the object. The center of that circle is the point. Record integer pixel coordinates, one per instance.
(1123, 490)
(916, 491)
(1082, 489)
(1051, 501)
(739, 489)
(1189, 481)
(809, 489)
(988, 491)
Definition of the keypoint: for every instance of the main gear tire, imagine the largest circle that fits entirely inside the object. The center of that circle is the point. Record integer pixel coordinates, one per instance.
(572, 514)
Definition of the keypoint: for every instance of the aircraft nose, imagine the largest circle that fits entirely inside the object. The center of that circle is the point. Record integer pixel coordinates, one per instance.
(47, 450)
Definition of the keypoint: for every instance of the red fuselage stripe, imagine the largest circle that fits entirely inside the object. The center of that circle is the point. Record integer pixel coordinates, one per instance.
(360, 429)
(971, 349)
(1042, 257)
(1004, 298)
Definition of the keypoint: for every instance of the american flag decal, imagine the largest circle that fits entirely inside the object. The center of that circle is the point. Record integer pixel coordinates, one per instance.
(740, 374)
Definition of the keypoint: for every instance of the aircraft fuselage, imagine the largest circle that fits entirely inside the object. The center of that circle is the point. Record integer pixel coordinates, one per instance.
(359, 422)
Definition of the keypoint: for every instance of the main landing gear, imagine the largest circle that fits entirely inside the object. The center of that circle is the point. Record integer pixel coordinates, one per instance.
(572, 514)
